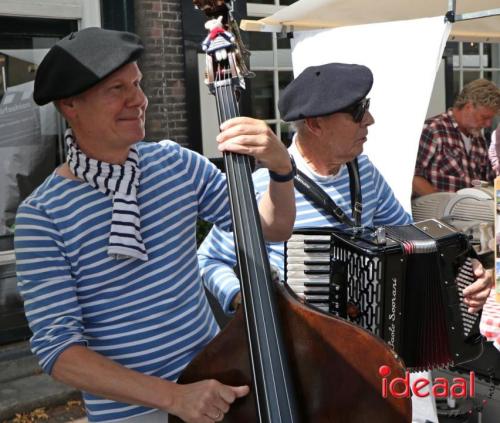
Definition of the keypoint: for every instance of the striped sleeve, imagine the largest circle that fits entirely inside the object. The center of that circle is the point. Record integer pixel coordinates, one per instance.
(275, 250)
(46, 285)
(210, 187)
(217, 260)
(389, 210)
(217, 257)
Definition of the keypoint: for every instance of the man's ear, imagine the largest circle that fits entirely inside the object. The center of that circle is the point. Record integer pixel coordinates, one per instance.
(66, 106)
(313, 125)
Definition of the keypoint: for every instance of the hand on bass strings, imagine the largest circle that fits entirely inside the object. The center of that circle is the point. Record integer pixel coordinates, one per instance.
(253, 137)
(204, 402)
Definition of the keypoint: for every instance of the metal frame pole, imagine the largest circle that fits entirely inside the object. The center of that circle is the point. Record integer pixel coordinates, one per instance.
(451, 16)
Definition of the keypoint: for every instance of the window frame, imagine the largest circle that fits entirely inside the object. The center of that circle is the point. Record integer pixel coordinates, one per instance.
(86, 12)
(262, 11)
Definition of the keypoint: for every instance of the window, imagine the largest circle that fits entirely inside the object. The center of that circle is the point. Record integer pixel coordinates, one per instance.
(30, 137)
(472, 61)
(271, 61)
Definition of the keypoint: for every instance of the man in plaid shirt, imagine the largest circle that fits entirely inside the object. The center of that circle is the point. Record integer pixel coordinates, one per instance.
(452, 151)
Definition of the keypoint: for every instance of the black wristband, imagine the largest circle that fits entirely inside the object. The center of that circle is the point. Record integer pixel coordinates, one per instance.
(284, 178)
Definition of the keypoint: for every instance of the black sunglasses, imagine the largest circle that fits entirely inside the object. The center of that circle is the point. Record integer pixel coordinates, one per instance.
(357, 110)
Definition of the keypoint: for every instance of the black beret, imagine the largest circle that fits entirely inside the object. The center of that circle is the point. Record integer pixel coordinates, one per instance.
(323, 90)
(81, 60)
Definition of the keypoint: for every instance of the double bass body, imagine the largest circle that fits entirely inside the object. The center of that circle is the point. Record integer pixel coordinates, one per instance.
(334, 367)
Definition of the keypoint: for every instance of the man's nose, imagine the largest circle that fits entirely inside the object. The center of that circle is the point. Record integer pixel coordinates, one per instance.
(368, 119)
(137, 97)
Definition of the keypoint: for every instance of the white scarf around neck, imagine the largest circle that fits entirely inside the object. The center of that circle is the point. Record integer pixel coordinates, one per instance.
(121, 182)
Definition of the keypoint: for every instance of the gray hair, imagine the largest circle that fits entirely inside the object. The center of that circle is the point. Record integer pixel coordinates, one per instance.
(480, 92)
(299, 125)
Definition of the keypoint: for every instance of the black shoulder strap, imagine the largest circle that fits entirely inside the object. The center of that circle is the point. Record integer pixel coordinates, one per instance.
(318, 196)
(355, 186)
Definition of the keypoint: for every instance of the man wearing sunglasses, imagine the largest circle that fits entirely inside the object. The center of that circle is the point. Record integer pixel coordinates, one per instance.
(329, 107)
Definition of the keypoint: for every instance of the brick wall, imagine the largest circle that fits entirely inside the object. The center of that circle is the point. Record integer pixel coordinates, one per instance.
(158, 23)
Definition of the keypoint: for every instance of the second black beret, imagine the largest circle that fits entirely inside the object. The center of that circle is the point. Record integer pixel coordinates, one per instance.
(323, 90)
(81, 60)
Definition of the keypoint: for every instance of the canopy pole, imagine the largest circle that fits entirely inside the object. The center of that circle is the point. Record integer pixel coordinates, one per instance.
(477, 15)
(451, 15)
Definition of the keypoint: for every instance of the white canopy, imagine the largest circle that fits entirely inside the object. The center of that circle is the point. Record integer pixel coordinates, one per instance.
(402, 42)
(317, 14)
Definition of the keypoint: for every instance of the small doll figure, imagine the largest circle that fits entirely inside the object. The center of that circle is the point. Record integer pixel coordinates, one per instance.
(218, 40)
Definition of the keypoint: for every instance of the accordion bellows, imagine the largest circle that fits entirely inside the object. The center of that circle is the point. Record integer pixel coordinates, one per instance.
(402, 283)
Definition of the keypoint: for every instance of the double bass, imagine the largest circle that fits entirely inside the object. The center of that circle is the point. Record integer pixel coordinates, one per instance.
(302, 365)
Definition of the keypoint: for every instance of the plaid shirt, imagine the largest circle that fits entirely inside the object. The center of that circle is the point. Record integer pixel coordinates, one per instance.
(443, 160)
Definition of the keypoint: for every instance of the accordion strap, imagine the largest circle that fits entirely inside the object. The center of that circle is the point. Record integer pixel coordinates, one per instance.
(321, 199)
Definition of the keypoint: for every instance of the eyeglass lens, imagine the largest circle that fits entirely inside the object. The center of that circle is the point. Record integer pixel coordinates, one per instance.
(360, 109)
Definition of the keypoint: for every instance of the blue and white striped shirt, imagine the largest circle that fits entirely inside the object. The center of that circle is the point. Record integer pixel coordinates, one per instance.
(152, 316)
(380, 207)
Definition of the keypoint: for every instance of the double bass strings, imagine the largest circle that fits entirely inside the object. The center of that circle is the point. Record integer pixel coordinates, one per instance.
(259, 295)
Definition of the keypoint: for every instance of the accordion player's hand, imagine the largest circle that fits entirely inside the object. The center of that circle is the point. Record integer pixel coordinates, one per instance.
(476, 294)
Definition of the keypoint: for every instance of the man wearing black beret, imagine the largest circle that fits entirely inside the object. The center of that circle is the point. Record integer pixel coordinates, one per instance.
(329, 107)
(106, 246)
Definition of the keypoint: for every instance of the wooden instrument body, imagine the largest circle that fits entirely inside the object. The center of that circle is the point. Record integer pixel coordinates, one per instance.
(334, 367)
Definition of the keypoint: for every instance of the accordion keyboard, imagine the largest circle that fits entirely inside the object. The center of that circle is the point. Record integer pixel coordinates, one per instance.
(335, 280)
(308, 268)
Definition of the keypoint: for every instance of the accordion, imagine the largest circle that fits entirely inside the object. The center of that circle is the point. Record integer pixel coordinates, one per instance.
(402, 283)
